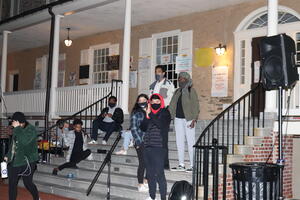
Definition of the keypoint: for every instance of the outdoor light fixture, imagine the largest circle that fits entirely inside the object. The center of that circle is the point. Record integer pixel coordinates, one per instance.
(68, 41)
(220, 50)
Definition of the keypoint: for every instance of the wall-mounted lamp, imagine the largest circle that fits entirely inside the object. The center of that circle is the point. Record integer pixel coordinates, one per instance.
(68, 41)
(220, 50)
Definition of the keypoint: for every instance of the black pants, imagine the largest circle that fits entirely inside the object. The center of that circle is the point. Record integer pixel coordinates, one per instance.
(155, 160)
(76, 157)
(26, 172)
(141, 167)
(109, 128)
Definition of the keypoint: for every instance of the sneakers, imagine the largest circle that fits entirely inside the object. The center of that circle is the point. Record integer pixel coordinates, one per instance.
(131, 144)
(189, 170)
(180, 168)
(93, 142)
(143, 188)
(54, 172)
(104, 142)
(121, 152)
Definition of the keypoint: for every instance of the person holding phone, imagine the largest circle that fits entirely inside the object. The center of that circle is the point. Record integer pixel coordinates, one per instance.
(22, 156)
(184, 109)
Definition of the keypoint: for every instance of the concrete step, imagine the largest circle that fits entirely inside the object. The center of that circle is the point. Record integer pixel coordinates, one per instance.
(116, 177)
(243, 149)
(74, 193)
(253, 140)
(117, 190)
(122, 168)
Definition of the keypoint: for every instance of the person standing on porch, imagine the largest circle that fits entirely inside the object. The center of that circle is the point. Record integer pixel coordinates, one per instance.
(156, 126)
(22, 156)
(184, 109)
(165, 88)
(109, 121)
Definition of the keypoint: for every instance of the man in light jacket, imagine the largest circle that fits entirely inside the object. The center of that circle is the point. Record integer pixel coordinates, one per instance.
(184, 109)
(162, 85)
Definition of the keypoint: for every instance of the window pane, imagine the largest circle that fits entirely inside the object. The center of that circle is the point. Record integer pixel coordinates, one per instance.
(164, 41)
(298, 36)
(175, 39)
(164, 50)
(169, 40)
(169, 49)
(158, 51)
(158, 60)
(175, 49)
(158, 42)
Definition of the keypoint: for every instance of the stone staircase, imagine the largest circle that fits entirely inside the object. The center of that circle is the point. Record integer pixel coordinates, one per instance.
(123, 172)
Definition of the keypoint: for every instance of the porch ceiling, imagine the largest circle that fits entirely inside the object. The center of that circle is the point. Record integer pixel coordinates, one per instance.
(95, 16)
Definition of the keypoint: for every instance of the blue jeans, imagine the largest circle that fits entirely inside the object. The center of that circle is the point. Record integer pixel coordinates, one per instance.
(127, 136)
(109, 128)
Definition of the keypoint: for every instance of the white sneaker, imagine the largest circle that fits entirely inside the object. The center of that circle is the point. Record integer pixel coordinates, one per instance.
(93, 142)
(104, 142)
(131, 144)
(121, 152)
(142, 188)
(146, 185)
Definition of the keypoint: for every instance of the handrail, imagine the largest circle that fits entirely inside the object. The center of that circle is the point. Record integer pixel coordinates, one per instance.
(47, 133)
(86, 108)
(226, 111)
(106, 161)
(246, 116)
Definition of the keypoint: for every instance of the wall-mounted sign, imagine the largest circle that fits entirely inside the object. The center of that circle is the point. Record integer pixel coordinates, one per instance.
(113, 63)
(219, 81)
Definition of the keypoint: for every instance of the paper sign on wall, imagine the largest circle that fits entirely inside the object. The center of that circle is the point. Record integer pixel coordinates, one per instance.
(219, 86)
(183, 64)
(133, 79)
(165, 59)
(204, 57)
(144, 63)
(256, 71)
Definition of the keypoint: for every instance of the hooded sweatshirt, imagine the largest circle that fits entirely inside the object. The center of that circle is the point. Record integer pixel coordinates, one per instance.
(156, 126)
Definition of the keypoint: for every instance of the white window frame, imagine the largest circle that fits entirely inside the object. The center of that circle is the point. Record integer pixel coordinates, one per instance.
(91, 59)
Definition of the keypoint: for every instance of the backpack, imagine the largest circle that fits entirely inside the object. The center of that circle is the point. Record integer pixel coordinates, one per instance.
(180, 189)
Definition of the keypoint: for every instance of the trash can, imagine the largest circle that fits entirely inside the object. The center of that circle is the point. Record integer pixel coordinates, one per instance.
(255, 181)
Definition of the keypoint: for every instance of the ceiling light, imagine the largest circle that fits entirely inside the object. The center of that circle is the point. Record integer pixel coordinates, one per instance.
(68, 41)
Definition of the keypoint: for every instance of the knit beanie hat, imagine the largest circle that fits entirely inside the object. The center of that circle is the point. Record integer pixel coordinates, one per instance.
(19, 116)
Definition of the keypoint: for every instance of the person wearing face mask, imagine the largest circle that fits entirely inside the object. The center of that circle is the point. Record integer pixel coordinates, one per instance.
(184, 109)
(162, 85)
(137, 115)
(109, 121)
(156, 126)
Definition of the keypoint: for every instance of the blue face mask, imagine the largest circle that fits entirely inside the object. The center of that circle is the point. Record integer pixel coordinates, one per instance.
(159, 77)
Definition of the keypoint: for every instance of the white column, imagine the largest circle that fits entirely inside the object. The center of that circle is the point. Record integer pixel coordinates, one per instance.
(55, 62)
(126, 58)
(272, 30)
(4, 60)
(4, 67)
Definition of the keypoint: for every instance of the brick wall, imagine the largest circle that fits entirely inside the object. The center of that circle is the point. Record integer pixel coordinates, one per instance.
(261, 154)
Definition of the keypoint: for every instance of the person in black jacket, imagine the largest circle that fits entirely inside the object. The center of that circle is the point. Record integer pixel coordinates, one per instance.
(156, 126)
(109, 121)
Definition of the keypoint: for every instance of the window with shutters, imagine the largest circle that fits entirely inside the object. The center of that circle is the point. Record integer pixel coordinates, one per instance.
(166, 52)
(243, 62)
(100, 72)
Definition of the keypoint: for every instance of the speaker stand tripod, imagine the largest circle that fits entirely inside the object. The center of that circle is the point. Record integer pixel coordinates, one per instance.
(280, 161)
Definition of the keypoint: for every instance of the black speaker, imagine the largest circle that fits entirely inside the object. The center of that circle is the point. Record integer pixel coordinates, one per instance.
(278, 62)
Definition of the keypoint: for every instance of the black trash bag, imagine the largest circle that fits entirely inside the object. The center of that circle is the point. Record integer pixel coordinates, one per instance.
(181, 189)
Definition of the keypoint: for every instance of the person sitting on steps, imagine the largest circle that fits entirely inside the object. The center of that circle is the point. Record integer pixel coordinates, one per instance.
(109, 121)
(76, 141)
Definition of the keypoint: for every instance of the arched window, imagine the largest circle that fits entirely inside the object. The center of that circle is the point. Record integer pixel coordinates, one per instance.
(262, 20)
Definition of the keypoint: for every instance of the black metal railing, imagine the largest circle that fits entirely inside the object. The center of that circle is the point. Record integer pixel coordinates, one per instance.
(107, 161)
(207, 165)
(87, 115)
(229, 128)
